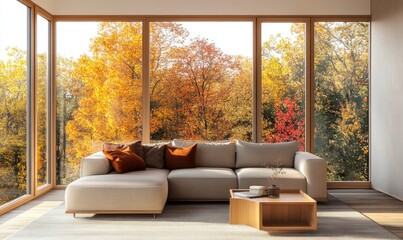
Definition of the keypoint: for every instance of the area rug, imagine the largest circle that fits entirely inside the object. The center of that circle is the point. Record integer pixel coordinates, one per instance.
(196, 221)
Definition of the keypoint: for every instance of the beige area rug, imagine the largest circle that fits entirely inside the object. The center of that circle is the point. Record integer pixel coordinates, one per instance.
(194, 221)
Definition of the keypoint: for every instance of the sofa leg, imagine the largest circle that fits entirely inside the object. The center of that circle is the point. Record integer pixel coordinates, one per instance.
(74, 215)
(154, 216)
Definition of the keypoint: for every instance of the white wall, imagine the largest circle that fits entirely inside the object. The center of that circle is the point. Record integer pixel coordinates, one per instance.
(206, 7)
(387, 97)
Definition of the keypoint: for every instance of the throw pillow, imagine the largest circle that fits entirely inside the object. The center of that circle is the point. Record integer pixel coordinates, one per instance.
(177, 158)
(154, 155)
(257, 154)
(124, 160)
(135, 147)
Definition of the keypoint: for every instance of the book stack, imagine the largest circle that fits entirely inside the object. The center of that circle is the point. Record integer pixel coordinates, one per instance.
(262, 190)
(254, 192)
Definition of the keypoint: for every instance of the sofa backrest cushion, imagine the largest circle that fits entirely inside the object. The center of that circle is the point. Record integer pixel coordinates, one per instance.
(211, 154)
(178, 158)
(259, 154)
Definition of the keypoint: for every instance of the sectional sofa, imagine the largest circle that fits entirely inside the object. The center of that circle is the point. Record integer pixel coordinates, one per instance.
(219, 166)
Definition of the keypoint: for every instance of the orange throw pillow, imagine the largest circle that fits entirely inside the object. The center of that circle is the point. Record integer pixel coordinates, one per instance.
(124, 160)
(176, 158)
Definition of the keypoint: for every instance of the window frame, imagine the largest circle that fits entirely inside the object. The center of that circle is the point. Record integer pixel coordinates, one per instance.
(32, 190)
(49, 103)
(146, 138)
(256, 81)
(308, 109)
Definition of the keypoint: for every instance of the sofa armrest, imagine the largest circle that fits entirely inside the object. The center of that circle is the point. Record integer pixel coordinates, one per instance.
(95, 164)
(314, 169)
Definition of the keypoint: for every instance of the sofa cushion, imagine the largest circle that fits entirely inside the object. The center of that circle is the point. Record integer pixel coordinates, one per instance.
(211, 154)
(154, 155)
(125, 160)
(291, 179)
(258, 154)
(141, 191)
(176, 158)
(201, 183)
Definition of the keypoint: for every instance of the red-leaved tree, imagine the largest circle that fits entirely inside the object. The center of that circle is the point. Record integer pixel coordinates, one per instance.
(289, 123)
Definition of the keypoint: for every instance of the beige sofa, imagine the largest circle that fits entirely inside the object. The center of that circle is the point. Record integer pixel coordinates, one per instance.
(220, 166)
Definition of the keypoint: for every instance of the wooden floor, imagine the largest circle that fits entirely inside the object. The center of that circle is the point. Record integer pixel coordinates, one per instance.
(381, 208)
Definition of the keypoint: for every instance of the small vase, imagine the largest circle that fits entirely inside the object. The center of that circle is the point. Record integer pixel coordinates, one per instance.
(274, 191)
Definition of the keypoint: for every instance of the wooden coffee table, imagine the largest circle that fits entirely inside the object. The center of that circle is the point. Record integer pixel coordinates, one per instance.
(293, 210)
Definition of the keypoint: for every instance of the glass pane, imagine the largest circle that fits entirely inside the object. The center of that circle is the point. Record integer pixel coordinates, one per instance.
(283, 82)
(13, 99)
(99, 89)
(341, 98)
(201, 80)
(42, 77)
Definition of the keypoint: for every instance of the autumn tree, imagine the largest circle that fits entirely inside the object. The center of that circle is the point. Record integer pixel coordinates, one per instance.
(108, 83)
(289, 123)
(13, 125)
(166, 37)
(67, 101)
(283, 86)
(238, 105)
(195, 90)
(42, 124)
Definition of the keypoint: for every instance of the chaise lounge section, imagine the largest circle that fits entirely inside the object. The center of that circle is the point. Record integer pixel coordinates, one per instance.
(101, 191)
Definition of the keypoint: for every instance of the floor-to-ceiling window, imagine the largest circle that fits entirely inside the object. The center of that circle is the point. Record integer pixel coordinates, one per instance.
(201, 80)
(341, 95)
(283, 76)
(14, 99)
(99, 89)
(42, 96)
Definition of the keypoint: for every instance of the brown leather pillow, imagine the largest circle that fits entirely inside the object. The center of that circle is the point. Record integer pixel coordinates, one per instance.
(177, 158)
(124, 160)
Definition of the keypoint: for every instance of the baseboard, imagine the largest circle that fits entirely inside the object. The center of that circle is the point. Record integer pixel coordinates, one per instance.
(391, 195)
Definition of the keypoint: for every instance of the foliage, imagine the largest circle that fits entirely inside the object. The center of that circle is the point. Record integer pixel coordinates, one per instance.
(289, 123)
(13, 124)
(283, 87)
(341, 98)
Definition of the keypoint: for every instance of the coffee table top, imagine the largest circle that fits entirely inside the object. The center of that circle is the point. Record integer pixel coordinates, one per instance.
(286, 196)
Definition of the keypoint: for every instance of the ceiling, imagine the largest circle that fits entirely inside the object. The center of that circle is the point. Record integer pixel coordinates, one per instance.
(206, 7)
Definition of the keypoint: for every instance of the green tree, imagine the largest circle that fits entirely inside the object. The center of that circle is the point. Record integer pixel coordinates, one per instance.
(341, 98)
